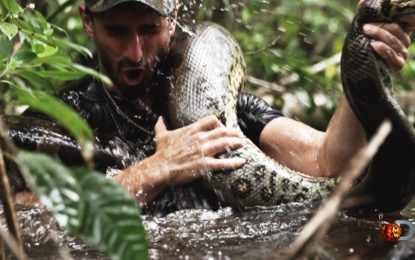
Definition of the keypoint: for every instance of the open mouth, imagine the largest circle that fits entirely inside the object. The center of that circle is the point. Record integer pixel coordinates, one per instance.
(132, 76)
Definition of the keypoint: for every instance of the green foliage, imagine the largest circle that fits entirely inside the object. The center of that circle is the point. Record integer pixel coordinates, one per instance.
(72, 121)
(35, 58)
(88, 205)
(282, 40)
(38, 49)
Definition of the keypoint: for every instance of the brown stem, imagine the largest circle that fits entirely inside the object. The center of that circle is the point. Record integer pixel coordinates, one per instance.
(2, 250)
(318, 226)
(9, 209)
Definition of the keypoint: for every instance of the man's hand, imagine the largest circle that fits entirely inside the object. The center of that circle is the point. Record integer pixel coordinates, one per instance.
(182, 155)
(391, 41)
(188, 153)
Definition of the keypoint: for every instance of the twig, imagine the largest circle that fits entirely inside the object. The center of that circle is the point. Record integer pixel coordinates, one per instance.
(320, 223)
(12, 244)
(266, 84)
(2, 250)
(278, 88)
(269, 46)
(7, 145)
(7, 201)
(60, 9)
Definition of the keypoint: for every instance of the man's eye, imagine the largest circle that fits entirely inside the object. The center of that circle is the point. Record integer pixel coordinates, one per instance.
(150, 29)
(117, 30)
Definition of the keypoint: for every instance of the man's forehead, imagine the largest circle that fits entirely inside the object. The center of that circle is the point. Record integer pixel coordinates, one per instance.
(164, 7)
(130, 16)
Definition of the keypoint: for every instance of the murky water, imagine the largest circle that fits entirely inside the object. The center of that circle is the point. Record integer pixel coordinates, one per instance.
(257, 233)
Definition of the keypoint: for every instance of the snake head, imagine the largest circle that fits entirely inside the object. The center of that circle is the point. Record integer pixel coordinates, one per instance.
(386, 10)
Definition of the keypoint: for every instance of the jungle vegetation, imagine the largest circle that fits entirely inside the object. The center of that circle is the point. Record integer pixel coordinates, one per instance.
(292, 50)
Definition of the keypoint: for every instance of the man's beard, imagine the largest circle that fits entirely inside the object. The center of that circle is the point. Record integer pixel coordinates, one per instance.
(115, 72)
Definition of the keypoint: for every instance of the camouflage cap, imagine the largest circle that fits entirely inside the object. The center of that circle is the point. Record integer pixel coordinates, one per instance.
(164, 7)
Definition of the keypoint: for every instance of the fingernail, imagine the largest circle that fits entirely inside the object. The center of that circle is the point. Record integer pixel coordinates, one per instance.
(405, 54)
(367, 28)
(242, 160)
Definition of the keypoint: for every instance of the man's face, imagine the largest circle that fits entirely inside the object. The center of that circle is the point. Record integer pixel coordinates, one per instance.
(130, 39)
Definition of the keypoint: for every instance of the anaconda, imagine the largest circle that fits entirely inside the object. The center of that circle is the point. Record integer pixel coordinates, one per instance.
(210, 74)
(208, 77)
(367, 84)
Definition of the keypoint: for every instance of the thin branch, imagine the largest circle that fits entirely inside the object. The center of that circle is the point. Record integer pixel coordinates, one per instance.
(12, 244)
(60, 9)
(265, 84)
(6, 195)
(278, 88)
(321, 222)
(265, 48)
(8, 205)
(324, 64)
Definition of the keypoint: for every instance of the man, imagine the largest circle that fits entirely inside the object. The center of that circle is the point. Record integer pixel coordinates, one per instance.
(132, 37)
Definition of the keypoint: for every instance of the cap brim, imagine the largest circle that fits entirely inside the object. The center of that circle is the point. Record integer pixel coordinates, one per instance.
(164, 9)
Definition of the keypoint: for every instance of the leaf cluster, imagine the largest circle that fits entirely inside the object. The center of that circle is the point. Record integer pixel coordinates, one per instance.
(36, 57)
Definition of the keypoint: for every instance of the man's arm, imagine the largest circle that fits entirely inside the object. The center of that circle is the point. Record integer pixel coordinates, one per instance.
(305, 149)
(316, 153)
(182, 155)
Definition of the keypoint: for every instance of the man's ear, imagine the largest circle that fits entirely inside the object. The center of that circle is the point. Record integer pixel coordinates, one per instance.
(172, 22)
(86, 21)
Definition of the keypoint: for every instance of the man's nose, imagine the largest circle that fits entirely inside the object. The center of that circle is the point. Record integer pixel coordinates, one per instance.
(135, 49)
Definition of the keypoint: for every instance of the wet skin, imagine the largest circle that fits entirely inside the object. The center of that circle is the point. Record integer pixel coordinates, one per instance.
(129, 39)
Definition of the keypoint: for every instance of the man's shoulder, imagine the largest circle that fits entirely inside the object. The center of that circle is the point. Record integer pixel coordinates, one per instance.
(85, 88)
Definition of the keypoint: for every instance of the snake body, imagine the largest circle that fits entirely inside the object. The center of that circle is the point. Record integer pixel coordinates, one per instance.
(367, 84)
(210, 74)
(206, 79)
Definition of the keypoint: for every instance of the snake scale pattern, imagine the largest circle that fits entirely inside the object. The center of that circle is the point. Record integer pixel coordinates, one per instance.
(210, 74)
(206, 80)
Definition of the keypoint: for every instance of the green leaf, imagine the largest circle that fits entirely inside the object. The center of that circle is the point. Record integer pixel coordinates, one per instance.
(121, 234)
(62, 75)
(59, 111)
(56, 187)
(36, 80)
(53, 61)
(44, 50)
(24, 57)
(69, 45)
(23, 24)
(21, 59)
(88, 205)
(12, 6)
(5, 46)
(10, 30)
(93, 73)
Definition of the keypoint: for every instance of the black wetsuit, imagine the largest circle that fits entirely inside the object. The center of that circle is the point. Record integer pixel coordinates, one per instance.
(116, 121)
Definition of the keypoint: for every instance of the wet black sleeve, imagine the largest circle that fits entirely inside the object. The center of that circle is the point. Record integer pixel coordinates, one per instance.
(253, 114)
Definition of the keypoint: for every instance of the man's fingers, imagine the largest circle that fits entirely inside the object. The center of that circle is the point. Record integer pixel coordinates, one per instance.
(219, 132)
(360, 5)
(394, 61)
(221, 145)
(205, 124)
(213, 164)
(390, 34)
(160, 126)
(203, 166)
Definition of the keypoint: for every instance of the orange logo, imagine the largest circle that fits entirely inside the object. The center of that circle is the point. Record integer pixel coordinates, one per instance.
(392, 232)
